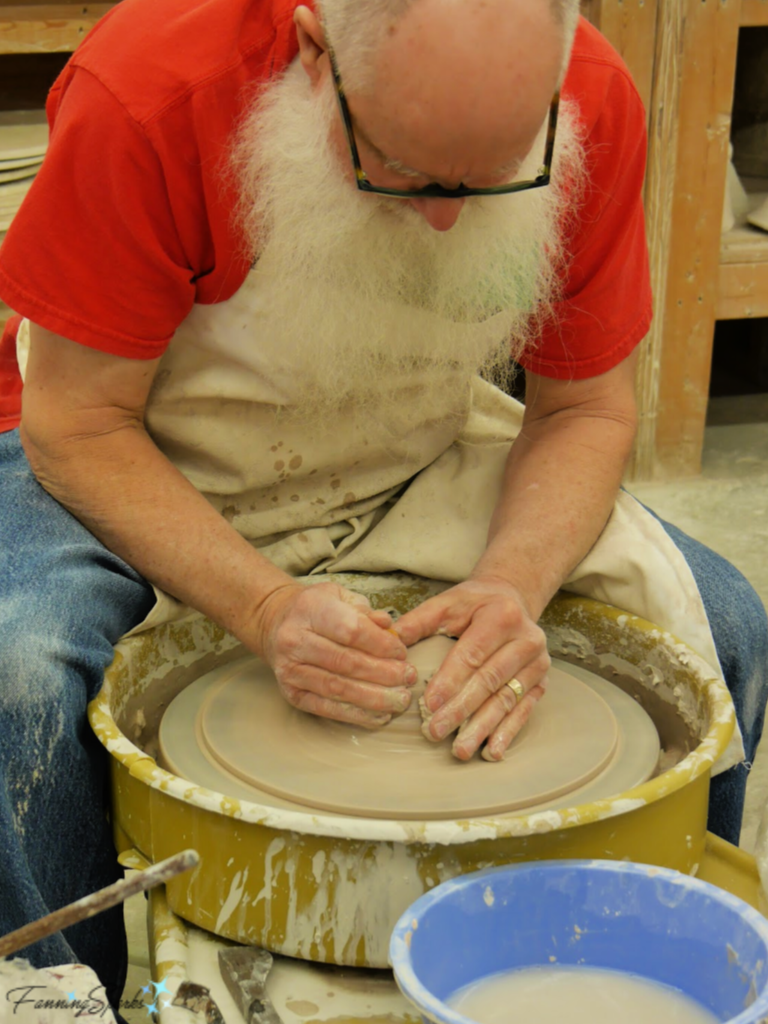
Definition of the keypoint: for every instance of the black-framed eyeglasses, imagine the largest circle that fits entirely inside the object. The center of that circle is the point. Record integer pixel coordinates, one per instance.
(434, 190)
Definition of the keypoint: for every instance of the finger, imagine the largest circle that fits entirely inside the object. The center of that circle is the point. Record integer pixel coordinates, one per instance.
(489, 667)
(451, 612)
(512, 723)
(346, 662)
(379, 616)
(429, 619)
(337, 711)
(351, 597)
(476, 730)
(368, 696)
(350, 627)
(383, 619)
(484, 656)
(522, 660)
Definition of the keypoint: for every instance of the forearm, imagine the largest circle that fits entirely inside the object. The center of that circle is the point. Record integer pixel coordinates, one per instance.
(82, 429)
(124, 490)
(560, 484)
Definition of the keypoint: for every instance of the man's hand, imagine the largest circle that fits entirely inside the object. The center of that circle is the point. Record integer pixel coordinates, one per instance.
(498, 641)
(83, 432)
(333, 655)
(560, 484)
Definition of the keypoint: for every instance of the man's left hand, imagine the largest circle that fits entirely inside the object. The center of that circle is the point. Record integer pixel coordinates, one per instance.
(498, 642)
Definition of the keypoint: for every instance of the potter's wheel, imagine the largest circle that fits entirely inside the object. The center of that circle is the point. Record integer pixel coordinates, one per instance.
(232, 731)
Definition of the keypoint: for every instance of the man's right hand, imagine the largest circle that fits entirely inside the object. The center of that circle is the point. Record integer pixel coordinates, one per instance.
(83, 432)
(84, 435)
(333, 655)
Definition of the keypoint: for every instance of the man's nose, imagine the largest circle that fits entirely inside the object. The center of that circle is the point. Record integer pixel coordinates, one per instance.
(440, 214)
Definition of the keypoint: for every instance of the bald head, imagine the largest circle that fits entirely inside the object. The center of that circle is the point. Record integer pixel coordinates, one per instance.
(468, 86)
(454, 92)
(357, 27)
(457, 93)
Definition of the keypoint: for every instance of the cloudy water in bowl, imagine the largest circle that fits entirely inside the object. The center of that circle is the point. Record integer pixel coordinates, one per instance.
(575, 995)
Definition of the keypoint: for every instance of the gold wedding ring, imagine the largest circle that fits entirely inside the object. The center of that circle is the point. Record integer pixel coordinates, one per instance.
(517, 688)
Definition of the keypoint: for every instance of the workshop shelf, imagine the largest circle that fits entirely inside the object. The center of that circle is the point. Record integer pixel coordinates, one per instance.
(743, 276)
(47, 28)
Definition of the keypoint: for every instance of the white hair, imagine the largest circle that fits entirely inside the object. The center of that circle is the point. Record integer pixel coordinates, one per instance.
(355, 28)
(382, 295)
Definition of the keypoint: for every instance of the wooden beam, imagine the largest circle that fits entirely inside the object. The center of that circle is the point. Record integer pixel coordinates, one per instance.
(663, 113)
(630, 27)
(707, 68)
(590, 10)
(743, 291)
(754, 12)
(746, 243)
(743, 288)
(46, 28)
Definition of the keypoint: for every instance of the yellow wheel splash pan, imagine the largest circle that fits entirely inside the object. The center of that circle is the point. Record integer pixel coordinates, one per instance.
(330, 888)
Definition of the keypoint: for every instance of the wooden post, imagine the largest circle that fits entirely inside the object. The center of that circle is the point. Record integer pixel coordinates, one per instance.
(630, 27)
(646, 33)
(660, 181)
(706, 68)
(689, 92)
(754, 12)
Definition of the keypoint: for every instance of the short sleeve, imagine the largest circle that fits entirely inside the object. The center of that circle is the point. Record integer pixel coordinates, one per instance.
(94, 254)
(606, 306)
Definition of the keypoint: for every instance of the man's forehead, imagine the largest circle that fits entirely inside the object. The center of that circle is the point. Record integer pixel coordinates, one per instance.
(455, 71)
(423, 138)
(394, 163)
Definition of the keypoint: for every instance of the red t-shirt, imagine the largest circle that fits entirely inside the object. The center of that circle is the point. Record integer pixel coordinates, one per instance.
(129, 222)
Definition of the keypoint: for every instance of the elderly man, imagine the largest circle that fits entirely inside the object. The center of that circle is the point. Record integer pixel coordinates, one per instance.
(268, 254)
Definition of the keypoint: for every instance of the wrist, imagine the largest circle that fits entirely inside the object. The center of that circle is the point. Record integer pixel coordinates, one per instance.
(528, 590)
(261, 627)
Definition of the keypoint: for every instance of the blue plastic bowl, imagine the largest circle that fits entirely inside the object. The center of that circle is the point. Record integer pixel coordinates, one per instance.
(649, 921)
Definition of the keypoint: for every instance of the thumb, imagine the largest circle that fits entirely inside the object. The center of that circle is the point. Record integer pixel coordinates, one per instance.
(362, 604)
(426, 620)
(356, 600)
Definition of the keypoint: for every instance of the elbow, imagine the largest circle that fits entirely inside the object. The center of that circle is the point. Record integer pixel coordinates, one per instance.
(46, 461)
(34, 446)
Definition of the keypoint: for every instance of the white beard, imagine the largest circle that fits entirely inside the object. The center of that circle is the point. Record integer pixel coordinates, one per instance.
(377, 309)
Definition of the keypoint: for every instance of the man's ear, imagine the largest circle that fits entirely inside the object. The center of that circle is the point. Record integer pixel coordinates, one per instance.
(311, 41)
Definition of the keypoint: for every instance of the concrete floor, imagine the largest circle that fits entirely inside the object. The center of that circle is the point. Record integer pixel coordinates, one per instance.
(725, 508)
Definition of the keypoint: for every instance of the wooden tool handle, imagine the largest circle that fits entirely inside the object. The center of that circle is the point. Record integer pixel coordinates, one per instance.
(91, 905)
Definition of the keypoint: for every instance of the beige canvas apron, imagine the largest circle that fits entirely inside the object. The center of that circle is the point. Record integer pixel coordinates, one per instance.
(358, 493)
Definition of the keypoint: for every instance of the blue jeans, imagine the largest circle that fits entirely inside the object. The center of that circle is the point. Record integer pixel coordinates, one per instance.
(738, 623)
(65, 601)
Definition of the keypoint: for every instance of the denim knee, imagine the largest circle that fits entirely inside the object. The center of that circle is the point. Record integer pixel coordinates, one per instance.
(745, 650)
(739, 628)
(42, 711)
